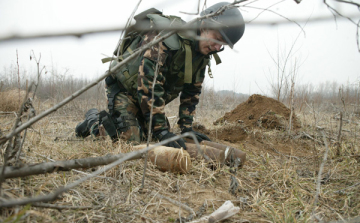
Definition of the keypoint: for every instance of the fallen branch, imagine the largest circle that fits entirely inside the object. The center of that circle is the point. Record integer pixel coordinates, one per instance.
(78, 171)
(318, 189)
(62, 207)
(65, 165)
(343, 190)
(352, 220)
(304, 134)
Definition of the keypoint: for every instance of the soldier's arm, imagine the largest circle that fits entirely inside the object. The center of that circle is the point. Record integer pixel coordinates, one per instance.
(189, 98)
(145, 80)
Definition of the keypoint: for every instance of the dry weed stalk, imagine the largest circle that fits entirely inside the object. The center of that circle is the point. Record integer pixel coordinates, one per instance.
(149, 135)
(14, 143)
(316, 198)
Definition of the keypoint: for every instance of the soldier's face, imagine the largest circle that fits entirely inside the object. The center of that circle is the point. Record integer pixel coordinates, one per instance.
(207, 43)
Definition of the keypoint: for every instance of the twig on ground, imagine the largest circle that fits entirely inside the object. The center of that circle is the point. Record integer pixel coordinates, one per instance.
(342, 190)
(78, 171)
(316, 198)
(183, 206)
(312, 138)
(65, 165)
(179, 190)
(234, 164)
(62, 207)
(351, 220)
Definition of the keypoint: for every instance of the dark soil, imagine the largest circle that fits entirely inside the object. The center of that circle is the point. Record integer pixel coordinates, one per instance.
(260, 111)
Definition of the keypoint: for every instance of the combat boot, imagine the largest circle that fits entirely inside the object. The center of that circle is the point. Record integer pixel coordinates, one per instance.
(83, 128)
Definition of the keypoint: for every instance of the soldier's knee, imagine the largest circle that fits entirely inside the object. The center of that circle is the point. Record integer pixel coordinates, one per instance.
(121, 126)
(133, 134)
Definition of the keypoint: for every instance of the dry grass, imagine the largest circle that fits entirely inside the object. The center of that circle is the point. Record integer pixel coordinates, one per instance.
(11, 100)
(277, 184)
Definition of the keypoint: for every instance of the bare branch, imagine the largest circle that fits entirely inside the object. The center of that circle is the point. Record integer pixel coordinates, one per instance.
(320, 172)
(336, 12)
(66, 165)
(289, 20)
(126, 27)
(62, 207)
(349, 2)
(264, 10)
(79, 34)
(149, 136)
(342, 190)
(196, 13)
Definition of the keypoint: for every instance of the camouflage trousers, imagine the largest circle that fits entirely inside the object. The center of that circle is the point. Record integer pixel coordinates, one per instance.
(126, 108)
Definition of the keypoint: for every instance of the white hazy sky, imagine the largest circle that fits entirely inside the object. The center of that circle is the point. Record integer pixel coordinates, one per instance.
(327, 51)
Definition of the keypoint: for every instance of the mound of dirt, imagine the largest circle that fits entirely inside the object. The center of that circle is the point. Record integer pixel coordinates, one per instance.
(261, 111)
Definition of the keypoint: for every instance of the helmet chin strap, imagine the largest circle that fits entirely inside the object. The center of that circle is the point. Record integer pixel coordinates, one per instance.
(212, 52)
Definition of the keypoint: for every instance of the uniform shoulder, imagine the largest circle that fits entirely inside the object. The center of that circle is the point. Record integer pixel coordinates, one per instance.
(174, 41)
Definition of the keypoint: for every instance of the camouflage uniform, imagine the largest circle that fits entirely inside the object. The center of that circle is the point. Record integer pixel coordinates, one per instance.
(135, 103)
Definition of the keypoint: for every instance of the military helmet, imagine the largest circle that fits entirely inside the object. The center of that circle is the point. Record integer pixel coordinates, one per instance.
(234, 32)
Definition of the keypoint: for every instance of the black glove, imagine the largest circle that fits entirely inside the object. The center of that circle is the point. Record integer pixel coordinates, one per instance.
(200, 137)
(165, 134)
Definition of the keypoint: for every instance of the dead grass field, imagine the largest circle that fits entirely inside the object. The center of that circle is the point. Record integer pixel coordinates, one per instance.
(277, 183)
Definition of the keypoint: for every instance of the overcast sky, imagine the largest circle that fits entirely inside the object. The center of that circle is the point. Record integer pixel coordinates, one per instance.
(325, 51)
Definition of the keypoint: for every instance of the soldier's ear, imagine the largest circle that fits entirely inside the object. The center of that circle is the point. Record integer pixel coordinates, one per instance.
(202, 27)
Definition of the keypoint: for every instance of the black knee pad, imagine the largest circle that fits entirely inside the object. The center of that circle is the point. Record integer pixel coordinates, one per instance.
(116, 123)
(83, 128)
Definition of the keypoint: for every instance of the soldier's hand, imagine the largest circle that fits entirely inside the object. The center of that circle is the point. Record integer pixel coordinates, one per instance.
(165, 134)
(199, 136)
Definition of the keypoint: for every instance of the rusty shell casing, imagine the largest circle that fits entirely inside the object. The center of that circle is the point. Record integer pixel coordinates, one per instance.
(214, 154)
(237, 152)
(169, 159)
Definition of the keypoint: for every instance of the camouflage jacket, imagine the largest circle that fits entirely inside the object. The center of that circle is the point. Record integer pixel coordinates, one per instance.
(170, 81)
